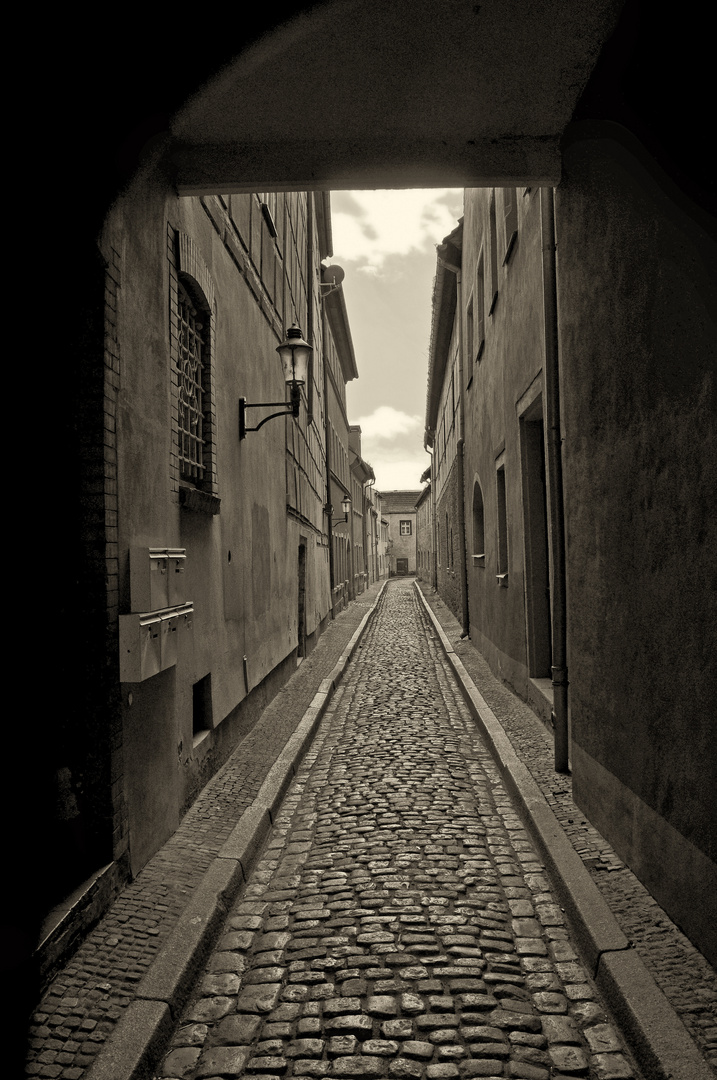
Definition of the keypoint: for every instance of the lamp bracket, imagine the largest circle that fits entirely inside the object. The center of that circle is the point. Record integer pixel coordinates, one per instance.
(290, 408)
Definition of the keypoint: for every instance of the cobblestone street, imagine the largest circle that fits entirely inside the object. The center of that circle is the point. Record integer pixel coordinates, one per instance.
(399, 922)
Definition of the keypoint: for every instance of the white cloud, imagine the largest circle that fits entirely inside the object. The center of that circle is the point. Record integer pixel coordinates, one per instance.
(392, 441)
(385, 423)
(370, 225)
(400, 475)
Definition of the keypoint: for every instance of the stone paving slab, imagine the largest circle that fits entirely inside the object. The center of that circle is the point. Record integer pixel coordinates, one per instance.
(93, 991)
(399, 921)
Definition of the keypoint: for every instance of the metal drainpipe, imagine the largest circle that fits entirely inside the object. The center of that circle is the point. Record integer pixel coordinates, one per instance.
(555, 482)
(327, 440)
(434, 525)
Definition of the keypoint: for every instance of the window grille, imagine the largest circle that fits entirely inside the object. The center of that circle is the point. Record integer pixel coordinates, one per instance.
(191, 362)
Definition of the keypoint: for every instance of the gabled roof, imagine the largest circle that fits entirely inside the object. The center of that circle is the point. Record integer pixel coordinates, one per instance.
(448, 260)
(336, 312)
(361, 469)
(400, 502)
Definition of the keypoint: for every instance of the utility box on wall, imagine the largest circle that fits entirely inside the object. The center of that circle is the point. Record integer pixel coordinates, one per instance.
(161, 619)
(150, 642)
(156, 578)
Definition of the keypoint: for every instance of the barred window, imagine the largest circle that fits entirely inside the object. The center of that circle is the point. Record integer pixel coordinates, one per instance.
(193, 337)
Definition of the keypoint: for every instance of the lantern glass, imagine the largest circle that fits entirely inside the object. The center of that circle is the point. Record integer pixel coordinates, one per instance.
(295, 353)
(346, 505)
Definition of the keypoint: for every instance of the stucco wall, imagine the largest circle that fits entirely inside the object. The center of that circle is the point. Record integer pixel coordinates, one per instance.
(402, 546)
(506, 374)
(450, 547)
(424, 538)
(637, 334)
(242, 563)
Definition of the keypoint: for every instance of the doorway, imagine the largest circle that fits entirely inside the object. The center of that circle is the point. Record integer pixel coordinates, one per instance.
(535, 527)
(301, 614)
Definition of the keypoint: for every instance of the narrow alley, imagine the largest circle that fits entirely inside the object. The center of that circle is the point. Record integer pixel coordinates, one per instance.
(399, 921)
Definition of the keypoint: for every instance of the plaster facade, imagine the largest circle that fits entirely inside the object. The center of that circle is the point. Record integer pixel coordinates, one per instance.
(399, 508)
(220, 562)
(588, 528)
(424, 536)
(165, 128)
(362, 477)
(250, 517)
(339, 369)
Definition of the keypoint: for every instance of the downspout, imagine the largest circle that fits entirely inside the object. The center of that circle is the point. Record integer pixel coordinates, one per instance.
(310, 214)
(554, 468)
(429, 448)
(352, 527)
(434, 500)
(310, 314)
(365, 531)
(327, 441)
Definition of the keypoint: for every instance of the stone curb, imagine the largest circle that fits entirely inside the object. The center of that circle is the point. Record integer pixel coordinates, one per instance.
(142, 1034)
(659, 1040)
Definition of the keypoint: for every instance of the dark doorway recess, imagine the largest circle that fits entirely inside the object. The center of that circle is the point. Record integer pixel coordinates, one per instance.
(535, 515)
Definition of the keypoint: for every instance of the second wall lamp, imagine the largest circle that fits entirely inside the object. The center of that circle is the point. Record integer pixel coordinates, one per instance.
(294, 353)
(345, 506)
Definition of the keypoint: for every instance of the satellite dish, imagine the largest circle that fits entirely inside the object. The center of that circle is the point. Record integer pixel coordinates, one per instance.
(332, 275)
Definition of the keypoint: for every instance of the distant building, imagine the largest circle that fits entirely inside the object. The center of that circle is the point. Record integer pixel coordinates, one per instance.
(425, 567)
(362, 475)
(399, 509)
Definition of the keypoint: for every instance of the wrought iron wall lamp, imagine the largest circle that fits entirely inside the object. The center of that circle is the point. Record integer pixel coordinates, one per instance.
(294, 353)
(345, 506)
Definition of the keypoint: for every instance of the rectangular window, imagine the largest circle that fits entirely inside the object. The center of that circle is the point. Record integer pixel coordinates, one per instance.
(479, 312)
(268, 210)
(193, 339)
(193, 462)
(406, 528)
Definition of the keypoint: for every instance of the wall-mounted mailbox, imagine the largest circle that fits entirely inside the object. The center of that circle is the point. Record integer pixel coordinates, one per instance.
(140, 647)
(168, 639)
(156, 578)
(149, 641)
(176, 562)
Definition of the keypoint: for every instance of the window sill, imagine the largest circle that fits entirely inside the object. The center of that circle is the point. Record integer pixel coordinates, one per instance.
(502, 580)
(201, 502)
(479, 560)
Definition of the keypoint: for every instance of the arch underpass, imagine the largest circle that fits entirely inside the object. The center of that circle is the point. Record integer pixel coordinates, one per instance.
(343, 95)
(369, 94)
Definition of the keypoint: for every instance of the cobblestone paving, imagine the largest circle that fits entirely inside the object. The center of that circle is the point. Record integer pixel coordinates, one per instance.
(686, 978)
(88, 996)
(399, 922)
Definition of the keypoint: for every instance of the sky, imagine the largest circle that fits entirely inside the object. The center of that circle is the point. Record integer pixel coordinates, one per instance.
(386, 243)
